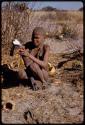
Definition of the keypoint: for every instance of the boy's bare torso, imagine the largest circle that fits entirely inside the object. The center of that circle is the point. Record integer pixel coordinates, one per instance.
(38, 52)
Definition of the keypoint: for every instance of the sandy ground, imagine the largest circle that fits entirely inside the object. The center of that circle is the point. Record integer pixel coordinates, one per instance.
(62, 102)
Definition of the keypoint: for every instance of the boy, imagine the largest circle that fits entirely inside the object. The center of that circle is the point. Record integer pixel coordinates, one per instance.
(35, 56)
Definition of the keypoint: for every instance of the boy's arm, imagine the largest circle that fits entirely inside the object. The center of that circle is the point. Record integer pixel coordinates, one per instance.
(25, 51)
(28, 61)
(45, 60)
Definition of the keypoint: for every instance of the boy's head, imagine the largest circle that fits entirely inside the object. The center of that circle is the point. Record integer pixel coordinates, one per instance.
(38, 36)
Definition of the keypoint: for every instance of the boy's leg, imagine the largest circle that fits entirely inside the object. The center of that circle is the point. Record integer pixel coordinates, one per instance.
(45, 74)
(37, 71)
(36, 84)
(24, 77)
(22, 74)
(40, 74)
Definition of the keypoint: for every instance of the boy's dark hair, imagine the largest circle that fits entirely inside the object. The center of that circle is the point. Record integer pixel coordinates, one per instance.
(38, 30)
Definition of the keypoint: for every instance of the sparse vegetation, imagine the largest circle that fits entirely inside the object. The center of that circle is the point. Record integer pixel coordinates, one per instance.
(19, 22)
(70, 30)
(69, 16)
(15, 24)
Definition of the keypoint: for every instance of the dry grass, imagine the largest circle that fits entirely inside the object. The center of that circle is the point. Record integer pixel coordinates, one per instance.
(70, 30)
(14, 25)
(20, 24)
(61, 16)
(71, 16)
(60, 22)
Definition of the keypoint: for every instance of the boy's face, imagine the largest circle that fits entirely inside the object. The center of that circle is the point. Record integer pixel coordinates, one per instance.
(38, 39)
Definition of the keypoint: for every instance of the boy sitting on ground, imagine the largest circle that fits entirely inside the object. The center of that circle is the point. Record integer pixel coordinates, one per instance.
(35, 56)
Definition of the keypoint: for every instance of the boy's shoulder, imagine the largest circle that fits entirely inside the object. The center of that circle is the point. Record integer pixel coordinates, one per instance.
(46, 46)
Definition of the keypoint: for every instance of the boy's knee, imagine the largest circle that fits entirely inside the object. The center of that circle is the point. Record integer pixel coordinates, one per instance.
(34, 66)
(22, 74)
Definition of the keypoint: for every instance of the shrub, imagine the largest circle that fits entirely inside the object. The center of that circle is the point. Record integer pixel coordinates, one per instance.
(70, 30)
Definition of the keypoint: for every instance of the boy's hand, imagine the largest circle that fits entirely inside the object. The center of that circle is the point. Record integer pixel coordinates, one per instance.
(23, 52)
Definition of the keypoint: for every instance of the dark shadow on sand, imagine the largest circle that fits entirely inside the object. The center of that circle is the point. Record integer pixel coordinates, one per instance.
(10, 78)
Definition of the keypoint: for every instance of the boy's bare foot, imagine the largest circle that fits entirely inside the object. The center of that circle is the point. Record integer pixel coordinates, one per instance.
(46, 84)
(37, 85)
